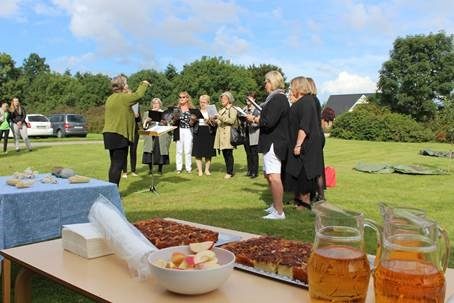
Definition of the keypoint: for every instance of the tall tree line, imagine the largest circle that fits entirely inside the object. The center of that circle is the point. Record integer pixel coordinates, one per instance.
(45, 91)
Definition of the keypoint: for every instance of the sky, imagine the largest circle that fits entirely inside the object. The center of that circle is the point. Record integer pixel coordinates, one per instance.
(341, 44)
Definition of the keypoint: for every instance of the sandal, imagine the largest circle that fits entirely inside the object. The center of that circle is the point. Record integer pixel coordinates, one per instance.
(300, 205)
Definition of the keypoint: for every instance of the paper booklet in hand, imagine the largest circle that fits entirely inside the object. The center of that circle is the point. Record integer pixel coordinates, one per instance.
(240, 111)
(157, 130)
(212, 111)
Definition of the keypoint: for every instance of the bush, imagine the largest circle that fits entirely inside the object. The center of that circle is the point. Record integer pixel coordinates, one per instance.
(443, 126)
(373, 123)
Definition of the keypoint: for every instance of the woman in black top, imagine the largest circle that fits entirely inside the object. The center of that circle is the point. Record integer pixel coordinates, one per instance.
(321, 184)
(204, 132)
(19, 125)
(273, 139)
(183, 134)
(304, 162)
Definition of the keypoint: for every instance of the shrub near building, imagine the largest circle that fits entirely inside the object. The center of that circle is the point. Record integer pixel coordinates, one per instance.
(373, 123)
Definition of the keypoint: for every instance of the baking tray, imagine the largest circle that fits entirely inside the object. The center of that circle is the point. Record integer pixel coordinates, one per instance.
(270, 275)
(224, 238)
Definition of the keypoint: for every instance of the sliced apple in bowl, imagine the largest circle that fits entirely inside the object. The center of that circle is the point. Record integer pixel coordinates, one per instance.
(201, 246)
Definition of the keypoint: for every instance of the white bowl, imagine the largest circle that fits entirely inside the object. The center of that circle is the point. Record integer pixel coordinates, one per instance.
(192, 281)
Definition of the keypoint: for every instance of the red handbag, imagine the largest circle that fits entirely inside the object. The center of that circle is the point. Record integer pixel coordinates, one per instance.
(330, 176)
(28, 124)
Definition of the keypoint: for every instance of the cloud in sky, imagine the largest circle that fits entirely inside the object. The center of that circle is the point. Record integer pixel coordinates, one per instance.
(347, 83)
(9, 8)
(336, 41)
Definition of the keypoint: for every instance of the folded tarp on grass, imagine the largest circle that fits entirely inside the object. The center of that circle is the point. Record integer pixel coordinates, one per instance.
(380, 168)
(434, 153)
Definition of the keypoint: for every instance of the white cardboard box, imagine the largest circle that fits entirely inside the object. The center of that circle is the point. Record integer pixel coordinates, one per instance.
(85, 240)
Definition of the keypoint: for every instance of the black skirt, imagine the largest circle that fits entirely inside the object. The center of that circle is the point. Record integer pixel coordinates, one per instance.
(155, 157)
(203, 142)
(301, 184)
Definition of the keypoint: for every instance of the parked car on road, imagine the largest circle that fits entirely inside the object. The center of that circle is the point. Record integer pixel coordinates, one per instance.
(40, 126)
(68, 125)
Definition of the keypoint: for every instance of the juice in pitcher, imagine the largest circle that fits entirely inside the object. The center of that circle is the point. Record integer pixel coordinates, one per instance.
(338, 274)
(409, 281)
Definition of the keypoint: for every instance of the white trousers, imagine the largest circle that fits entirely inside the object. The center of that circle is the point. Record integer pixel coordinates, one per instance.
(184, 147)
(21, 132)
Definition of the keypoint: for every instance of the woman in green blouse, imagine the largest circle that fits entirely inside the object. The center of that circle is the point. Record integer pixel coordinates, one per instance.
(4, 125)
(119, 124)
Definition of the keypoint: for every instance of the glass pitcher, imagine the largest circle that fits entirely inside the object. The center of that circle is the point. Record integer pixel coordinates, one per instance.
(411, 262)
(338, 268)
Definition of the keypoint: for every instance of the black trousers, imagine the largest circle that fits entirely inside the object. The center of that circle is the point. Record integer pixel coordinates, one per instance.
(252, 153)
(4, 135)
(132, 155)
(228, 158)
(117, 162)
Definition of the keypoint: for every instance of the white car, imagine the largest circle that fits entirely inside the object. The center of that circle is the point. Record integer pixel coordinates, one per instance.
(39, 126)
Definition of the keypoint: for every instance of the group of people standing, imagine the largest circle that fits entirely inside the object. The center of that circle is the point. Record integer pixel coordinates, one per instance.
(12, 117)
(286, 128)
(291, 140)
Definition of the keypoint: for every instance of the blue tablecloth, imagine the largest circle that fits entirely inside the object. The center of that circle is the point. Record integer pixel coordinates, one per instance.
(37, 213)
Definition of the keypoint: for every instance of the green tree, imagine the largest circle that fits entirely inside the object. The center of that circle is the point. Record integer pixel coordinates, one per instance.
(9, 74)
(258, 73)
(94, 89)
(212, 76)
(34, 65)
(160, 88)
(420, 71)
(171, 72)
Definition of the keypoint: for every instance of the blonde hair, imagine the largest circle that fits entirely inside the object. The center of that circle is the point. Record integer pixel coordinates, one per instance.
(312, 85)
(185, 93)
(276, 79)
(301, 85)
(156, 100)
(206, 97)
(12, 107)
(119, 83)
(228, 95)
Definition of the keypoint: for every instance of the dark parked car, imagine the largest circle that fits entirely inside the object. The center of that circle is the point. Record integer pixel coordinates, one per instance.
(68, 125)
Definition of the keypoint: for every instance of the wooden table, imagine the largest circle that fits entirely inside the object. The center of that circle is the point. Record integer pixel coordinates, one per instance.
(106, 279)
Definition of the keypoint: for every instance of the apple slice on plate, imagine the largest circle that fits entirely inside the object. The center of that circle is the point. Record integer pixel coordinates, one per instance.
(201, 246)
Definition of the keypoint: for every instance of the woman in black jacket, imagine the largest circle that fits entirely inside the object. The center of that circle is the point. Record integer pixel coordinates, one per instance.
(19, 124)
(305, 158)
(273, 140)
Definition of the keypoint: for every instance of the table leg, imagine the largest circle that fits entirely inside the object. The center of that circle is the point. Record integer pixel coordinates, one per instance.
(23, 287)
(6, 281)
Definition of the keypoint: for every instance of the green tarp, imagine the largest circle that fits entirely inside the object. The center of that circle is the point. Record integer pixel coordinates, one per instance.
(380, 168)
(434, 153)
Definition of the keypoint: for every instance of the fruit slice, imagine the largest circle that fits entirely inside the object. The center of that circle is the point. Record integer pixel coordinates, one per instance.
(201, 246)
(160, 263)
(204, 256)
(177, 258)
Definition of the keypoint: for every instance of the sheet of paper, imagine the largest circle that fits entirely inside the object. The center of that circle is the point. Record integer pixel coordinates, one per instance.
(212, 111)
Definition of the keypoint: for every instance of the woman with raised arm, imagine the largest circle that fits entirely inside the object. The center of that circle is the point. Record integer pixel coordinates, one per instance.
(119, 124)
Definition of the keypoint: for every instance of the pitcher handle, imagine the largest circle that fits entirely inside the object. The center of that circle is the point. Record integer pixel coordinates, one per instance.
(378, 231)
(445, 252)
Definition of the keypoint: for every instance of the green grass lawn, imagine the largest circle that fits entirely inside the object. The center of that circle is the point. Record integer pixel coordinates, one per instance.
(90, 136)
(238, 203)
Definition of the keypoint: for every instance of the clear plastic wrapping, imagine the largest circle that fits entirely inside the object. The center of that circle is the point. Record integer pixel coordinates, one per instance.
(122, 237)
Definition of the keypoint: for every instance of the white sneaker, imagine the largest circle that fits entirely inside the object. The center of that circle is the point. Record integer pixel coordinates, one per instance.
(125, 175)
(134, 174)
(274, 216)
(270, 209)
